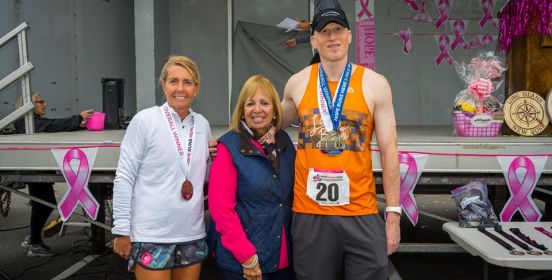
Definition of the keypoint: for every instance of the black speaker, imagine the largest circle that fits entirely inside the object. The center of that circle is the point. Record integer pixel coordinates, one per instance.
(113, 102)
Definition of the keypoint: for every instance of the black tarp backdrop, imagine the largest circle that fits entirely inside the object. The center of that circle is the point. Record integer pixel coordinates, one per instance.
(259, 49)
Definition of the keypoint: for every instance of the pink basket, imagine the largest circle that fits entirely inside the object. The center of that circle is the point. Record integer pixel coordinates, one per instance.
(96, 121)
(464, 127)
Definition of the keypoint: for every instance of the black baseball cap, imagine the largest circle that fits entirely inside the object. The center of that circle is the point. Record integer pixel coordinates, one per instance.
(323, 17)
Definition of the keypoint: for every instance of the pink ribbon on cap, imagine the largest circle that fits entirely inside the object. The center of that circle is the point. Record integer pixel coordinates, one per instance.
(77, 185)
(521, 191)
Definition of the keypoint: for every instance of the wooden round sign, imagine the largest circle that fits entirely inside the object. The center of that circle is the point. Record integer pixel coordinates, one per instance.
(525, 113)
(549, 104)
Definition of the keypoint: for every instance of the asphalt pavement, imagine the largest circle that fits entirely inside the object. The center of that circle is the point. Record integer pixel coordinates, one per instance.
(74, 258)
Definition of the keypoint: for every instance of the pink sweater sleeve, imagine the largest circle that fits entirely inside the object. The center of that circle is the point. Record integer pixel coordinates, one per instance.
(223, 179)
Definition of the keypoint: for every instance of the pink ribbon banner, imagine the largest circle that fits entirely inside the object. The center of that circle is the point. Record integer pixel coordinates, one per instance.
(365, 34)
(411, 167)
(522, 174)
(421, 13)
(482, 41)
(405, 36)
(487, 7)
(459, 26)
(411, 4)
(76, 166)
(444, 7)
(443, 42)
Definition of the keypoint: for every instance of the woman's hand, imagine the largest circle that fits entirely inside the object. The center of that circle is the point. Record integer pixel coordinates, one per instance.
(122, 246)
(253, 273)
(213, 148)
(85, 115)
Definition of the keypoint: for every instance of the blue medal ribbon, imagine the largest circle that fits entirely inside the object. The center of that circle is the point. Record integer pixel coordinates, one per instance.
(335, 108)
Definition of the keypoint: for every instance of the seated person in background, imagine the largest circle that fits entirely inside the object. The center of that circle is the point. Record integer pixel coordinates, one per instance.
(45, 191)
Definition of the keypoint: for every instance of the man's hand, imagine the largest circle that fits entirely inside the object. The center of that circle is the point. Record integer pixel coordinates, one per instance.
(393, 231)
(305, 25)
(213, 148)
(122, 246)
(291, 43)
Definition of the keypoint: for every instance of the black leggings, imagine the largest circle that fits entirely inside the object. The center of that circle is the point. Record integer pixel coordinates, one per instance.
(40, 212)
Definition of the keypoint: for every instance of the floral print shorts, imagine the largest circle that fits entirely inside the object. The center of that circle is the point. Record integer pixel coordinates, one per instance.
(156, 256)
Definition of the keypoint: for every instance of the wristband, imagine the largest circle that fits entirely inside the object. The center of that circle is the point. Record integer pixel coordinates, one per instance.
(396, 209)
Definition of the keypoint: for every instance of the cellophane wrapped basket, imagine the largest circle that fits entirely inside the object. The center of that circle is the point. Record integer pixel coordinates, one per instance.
(463, 126)
(476, 112)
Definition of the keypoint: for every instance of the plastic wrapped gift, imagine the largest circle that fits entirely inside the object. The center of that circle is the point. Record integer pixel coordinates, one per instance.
(473, 206)
(476, 111)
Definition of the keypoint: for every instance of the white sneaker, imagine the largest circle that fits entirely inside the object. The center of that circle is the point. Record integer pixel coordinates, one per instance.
(39, 250)
(26, 243)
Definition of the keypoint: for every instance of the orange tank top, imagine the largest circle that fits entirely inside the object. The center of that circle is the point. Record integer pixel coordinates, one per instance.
(356, 127)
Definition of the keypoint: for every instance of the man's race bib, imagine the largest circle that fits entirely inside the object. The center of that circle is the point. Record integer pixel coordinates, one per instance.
(328, 187)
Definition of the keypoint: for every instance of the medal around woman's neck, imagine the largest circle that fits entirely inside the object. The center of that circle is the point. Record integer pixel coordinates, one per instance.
(187, 189)
(330, 141)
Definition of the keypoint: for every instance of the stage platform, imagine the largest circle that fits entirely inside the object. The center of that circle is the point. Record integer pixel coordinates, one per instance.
(448, 154)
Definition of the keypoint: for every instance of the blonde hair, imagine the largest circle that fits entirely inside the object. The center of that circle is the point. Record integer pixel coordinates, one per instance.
(184, 62)
(251, 86)
(19, 102)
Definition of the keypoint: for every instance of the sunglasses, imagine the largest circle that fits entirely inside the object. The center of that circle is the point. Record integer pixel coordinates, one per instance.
(41, 101)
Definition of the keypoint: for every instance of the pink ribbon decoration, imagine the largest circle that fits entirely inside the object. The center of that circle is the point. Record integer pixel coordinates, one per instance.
(475, 42)
(459, 28)
(486, 40)
(444, 7)
(487, 8)
(365, 39)
(364, 9)
(412, 4)
(443, 42)
(405, 36)
(481, 88)
(78, 188)
(521, 191)
(408, 183)
(422, 14)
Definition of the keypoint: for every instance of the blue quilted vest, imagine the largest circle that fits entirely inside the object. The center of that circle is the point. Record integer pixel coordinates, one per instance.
(263, 200)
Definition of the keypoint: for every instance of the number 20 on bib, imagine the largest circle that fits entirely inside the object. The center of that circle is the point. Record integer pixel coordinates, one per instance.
(328, 187)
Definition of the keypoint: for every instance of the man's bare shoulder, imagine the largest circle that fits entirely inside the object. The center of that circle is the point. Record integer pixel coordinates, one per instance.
(375, 84)
(297, 83)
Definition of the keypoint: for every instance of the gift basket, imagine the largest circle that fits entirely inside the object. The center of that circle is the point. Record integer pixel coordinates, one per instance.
(476, 111)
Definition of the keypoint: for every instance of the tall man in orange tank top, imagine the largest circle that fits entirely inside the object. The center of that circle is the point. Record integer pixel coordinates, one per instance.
(337, 231)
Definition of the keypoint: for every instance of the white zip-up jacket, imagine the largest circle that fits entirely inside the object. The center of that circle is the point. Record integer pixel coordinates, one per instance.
(147, 201)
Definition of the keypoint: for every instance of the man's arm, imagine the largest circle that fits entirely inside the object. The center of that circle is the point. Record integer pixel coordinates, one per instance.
(293, 93)
(386, 137)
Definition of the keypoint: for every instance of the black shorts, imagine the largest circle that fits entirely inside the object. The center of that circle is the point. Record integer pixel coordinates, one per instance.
(339, 247)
